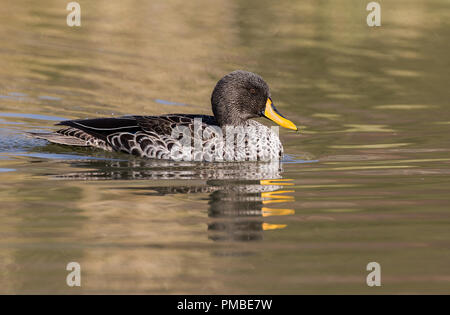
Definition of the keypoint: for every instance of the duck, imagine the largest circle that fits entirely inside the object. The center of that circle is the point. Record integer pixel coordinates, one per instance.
(231, 134)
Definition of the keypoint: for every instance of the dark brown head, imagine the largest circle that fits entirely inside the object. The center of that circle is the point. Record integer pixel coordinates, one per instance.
(242, 95)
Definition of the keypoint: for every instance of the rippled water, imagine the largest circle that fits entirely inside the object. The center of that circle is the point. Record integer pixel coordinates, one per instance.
(366, 180)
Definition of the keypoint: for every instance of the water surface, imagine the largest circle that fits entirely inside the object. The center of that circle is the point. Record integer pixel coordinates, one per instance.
(366, 180)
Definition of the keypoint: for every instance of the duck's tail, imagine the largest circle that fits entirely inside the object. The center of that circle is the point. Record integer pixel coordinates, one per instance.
(59, 138)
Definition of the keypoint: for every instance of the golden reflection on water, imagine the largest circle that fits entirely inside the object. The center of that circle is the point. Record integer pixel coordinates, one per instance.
(367, 128)
(403, 106)
(366, 179)
(370, 146)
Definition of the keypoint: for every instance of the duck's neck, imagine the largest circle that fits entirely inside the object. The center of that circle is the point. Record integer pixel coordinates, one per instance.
(231, 120)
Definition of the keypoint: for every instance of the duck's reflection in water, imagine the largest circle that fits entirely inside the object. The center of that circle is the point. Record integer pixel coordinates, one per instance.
(241, 196)
(238, 213)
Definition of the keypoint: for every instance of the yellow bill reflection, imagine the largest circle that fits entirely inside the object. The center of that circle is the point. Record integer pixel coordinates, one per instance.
(267, 212)
(276, 196)
(267, 226)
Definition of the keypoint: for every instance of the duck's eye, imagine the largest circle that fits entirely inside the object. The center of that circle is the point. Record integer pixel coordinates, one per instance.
(252, 91)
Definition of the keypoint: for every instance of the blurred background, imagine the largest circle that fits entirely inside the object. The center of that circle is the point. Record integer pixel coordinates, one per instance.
(367, 179)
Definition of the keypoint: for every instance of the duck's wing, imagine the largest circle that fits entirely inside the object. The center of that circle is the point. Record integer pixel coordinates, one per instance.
(90, 132)
(160, 125)
(158, 134)
(164, 125)
(101, 128)
(149, 136)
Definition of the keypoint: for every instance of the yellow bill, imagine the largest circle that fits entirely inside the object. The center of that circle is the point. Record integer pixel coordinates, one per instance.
(273, 114)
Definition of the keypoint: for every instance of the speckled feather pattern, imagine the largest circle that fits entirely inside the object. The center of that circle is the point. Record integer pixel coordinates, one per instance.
(151, 137)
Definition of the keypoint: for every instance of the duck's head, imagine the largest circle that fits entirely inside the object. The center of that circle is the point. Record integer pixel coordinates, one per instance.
(241, 95)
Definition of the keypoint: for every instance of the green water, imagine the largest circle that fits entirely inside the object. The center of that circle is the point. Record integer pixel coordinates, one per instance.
(367, 179)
